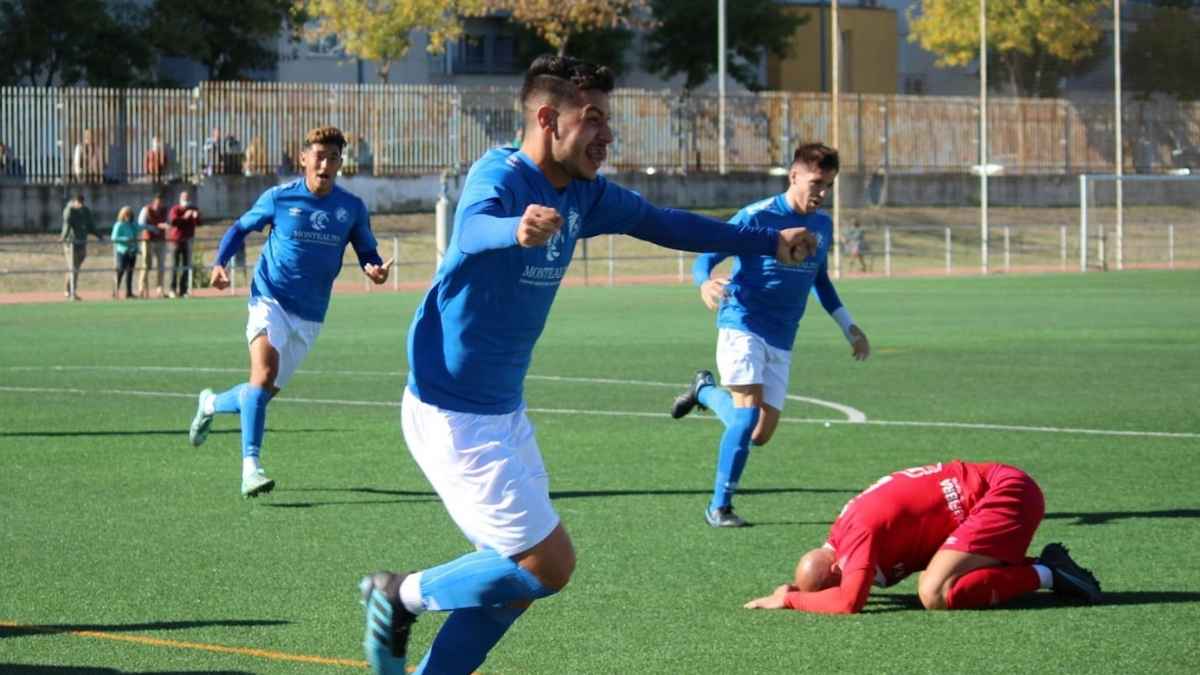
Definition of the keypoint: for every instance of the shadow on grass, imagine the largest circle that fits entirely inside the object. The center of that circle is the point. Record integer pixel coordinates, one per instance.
(7, 631)
(149, 432)
(904, 602)
(20, 669)
(1105, 517)
(427, 496)
(414, 496)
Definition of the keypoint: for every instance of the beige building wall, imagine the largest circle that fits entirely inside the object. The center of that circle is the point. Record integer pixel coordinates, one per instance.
(869, 52)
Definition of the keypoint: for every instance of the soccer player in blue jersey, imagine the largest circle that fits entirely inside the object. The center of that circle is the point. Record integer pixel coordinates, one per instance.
(311, 222)
(758, 312)
(521, 213)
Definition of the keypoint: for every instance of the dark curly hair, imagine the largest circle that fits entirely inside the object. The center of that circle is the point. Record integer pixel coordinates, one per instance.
(563, 77)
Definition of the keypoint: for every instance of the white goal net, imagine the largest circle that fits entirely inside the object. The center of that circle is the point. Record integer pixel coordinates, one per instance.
(1139, 221)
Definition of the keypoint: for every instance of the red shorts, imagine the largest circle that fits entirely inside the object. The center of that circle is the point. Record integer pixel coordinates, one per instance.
(1002, 523)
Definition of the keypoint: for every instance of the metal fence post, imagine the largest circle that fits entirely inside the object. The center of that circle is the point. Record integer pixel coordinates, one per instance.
(1100, 248)
(1062, 246)
(949, 264)
(1007, 258)
(395, 257)
(611, 265)
(887, 250)
(1171, 246)
(680, 272)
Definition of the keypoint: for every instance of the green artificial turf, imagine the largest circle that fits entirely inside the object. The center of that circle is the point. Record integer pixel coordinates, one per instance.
(113, 526)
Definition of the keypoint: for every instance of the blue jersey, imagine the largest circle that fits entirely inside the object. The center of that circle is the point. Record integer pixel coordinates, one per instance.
(472, 337)
(303, 252)
(765, 297)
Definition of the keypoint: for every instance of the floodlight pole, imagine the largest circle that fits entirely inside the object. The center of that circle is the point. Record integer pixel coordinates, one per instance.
(983, 140)
(835, 121)
(1118, 141)
(721, 86)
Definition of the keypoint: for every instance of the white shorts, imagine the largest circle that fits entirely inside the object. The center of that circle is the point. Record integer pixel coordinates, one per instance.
(745, 358)
(291, 336)
(488, 471)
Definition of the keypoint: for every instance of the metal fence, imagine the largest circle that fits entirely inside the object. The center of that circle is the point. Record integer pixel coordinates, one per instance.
(117, 135)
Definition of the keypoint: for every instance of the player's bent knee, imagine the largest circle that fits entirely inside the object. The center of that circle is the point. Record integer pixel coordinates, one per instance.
(933, 592)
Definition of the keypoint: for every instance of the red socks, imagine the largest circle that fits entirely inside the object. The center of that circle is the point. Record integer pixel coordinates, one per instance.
(991, 586)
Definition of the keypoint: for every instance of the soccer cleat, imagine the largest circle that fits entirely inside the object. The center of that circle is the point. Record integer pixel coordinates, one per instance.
(685, 402)
(257, 483)
(202, 422)
(1069, 578)
(388, 622)
(723, 517)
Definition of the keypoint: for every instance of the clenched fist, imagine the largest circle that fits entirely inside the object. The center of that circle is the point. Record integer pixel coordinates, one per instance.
(537, 225)
(795, 244)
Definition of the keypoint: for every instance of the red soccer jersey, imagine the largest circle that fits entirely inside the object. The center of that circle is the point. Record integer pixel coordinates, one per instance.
(894, 528)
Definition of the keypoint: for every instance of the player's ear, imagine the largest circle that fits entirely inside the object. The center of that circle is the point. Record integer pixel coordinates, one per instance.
(547, 118)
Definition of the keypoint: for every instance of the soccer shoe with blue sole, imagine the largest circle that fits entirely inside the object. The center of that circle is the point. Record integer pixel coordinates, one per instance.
(255, 484)
(1070, 579)
(723, 517)
(388, 623)
(690, 399)
(202, 422)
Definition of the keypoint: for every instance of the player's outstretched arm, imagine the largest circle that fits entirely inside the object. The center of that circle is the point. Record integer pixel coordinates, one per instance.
(776, 600)
(219, 278)
(860, 347)
(378, 273)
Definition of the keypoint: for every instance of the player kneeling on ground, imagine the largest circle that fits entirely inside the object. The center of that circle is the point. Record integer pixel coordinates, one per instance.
(966, 525)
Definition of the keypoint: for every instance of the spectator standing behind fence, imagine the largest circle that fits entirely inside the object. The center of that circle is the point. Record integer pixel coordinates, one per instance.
(855, 241)
(212, 153)
(87, 164)
(155, 163)
(153, 244)
(183, 218)
(78, 223)
(125, 250)
(256, 158)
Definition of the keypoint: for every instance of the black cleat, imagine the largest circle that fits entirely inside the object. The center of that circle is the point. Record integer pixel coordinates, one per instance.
(685, 402)
(1069, 578)
(388, 622)
(723, 517)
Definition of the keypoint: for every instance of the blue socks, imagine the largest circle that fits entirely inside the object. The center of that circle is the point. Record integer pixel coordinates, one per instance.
(465, 639)
(717, 400)
(735, 443)
(252, 402)
(480, 579)
(229, 401)
(477, 587)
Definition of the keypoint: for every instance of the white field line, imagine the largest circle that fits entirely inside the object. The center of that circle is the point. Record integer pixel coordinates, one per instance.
(852, 414)
(619, 413)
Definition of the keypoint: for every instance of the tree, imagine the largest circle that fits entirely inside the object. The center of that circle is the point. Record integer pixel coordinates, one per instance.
(1163, 54)
(1034, 42)
(559, 22)
(684, 38)
(230, 39)
(607, 46)
(67, 42)
(381, 30)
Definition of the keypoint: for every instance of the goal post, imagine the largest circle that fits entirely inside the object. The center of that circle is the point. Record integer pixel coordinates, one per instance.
(1143, 209)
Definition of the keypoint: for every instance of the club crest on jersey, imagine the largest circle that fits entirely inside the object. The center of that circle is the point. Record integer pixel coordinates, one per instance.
(342, 215)
(555, 245)
(319, 220)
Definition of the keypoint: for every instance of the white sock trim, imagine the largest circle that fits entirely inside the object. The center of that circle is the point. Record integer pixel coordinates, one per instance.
(250, 465)
(410, 593)
(1045, 577)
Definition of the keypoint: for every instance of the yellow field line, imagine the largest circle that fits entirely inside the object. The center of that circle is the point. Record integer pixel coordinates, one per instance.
(200, 646)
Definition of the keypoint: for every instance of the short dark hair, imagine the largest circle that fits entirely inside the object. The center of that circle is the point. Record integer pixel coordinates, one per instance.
(563, 77)
(78, 196)
(816, 155)
(325, 136)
